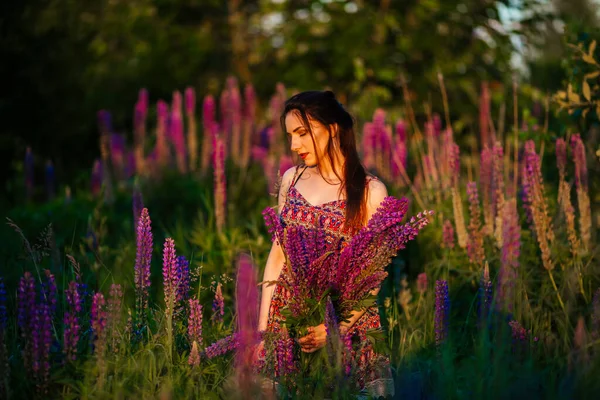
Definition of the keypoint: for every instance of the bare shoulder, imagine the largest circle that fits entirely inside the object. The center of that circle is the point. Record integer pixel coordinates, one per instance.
(377, 192)
(286, 181)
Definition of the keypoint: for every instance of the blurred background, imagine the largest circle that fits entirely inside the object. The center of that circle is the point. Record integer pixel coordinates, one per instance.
(64, 60)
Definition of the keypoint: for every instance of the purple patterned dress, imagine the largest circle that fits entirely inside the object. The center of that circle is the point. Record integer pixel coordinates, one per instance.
(372, 369)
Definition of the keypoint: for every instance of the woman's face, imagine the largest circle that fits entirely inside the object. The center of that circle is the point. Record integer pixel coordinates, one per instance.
(301, 141)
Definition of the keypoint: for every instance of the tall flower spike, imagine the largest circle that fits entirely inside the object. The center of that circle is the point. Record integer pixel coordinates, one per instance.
(71, 322)
(208, 120)
(98, 322)
(142, 264)
(192, 138)
(220, 185)
(49, 291)
(442, 311)
(583, 199)
(170, 278)
(218, 306)
(422, 283)
(195, 322)
(475, 248)
(448, 235)
(194, 358)
(511, 244)
(183, 274)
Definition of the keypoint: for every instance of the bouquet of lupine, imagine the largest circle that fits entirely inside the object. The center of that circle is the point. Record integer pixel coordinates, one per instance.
(347, 272)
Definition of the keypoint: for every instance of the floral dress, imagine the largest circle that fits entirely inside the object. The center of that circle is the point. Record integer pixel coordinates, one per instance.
(372, 369)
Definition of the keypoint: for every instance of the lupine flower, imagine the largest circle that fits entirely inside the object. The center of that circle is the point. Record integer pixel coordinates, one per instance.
(220, 185)
(142, 263)
(475, 248)
(26, 304)
(485, 293)
(222, 346)
(114, 314)
(194, 358)
(284, 352)
(368, 145)
(448, 235)
(442, 311)
(49, 291)
(498, 193)
(511, 244)
(218, 306)
(400, 155)
(195, 322)
(247, 314)
(422, 283)
(138, 205)
(98, 323)
(334, 339)
(581, 183)
(183, 277)
(96, 179)
(192, 139)
(162, 152)
(41, 341)
(208, 121)
(71, 321)
(519, 334)
(170, 277)
(454, 163)
(117, 154)
(176, 132)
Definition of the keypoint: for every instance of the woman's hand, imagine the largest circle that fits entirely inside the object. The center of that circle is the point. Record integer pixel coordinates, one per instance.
(315, 340)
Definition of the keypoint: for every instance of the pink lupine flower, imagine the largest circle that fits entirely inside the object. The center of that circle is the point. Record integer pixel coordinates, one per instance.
(195, 322)
(170, 278)
(71, 321)
(220, 184)
(194, 358)
(218, 306)
(98, 322)
(448, 235)
(142, 264)
(422, 283)
(475, 248)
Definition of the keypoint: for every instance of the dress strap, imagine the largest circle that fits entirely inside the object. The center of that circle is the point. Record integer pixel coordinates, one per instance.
(297, 178)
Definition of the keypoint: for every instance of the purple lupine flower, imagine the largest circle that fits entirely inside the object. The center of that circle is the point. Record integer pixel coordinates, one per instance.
(49, 291)
(284, 350)
(208, 121)
(454, 163)
(190, 100)
(511, 244)
(220, 184)
(143, 99)
(519, 334)
(26, 303)
(170, 278)
(448, 235)
(194, 358)
(561, 156)
(29, 173)
(176, 132)
(41, 342)
(475, 248)
(142, 263)
(222, 346)
(183, 274)
(98, 323)
(422, 283)
(195, 322)
(104, 121)
(250, 101)
(578, 149)
(442, 311)
(247, 303)
(485, 293)
(3, 313)
(71, 321)
(138, 205)
(218, 306)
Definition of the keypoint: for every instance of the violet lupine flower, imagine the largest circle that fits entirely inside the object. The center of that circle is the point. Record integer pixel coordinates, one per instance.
(475, 248)
(29, 173)
(578, 149)
(142, 263)
(485, 293)
(183, 276)
(442, 311)
(284, 350)
(26, 303)
(333, 340)
(170, 278)
(41, 342)
(190, 100)
(519, 334)
(49, 291)
(220, 183)
(422, 283)
(195, 322)
(98, 323)
(71, 321)
(222, 346)
(448, 235)
(138, 205)
(218, 306)
(561, 156)
(246, 296)
(194, 358)
(104, 121)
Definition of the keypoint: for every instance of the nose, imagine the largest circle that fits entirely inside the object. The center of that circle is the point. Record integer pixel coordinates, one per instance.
(295, 143)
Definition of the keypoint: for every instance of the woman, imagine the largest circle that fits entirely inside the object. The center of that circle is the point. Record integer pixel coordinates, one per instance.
(332, 188)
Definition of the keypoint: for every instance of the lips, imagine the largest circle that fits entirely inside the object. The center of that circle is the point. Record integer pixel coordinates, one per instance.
(303, 155)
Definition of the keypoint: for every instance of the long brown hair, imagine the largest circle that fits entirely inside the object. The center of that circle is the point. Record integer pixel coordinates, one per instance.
(323, 107)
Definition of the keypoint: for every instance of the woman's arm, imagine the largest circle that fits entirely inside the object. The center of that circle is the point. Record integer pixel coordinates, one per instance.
(275, 260)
